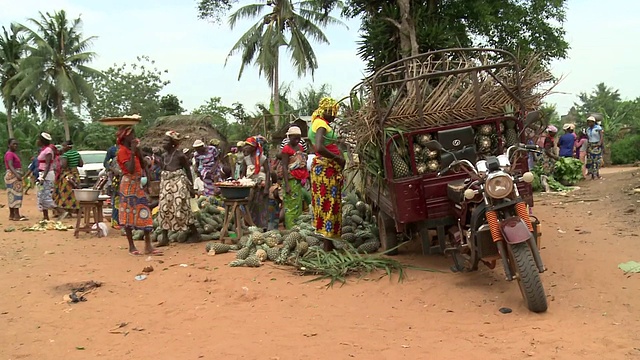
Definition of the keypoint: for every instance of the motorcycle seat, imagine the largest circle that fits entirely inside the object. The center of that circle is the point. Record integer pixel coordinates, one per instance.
(455, 191)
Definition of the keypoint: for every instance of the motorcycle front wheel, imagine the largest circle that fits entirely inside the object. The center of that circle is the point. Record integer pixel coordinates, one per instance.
(529, 278)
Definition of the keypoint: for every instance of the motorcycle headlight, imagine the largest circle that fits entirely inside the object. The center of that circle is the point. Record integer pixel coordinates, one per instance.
(499, 186)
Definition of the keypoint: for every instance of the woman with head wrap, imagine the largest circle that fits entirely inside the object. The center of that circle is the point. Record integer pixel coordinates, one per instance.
(548, 157)
(326, 173)
(293, 160)
(176, 188)
(46, 175)
(69, 178)
(209, 168)
(567, 142)
(256, 168)
(134, 212)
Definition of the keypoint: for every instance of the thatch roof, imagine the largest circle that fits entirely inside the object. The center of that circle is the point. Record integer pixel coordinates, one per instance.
(190, 127)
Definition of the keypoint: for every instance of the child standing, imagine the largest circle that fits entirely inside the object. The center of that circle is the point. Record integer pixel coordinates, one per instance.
(275, 203)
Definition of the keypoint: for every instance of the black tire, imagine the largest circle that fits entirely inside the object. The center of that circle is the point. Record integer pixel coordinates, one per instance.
(388, 235)
(529, 278)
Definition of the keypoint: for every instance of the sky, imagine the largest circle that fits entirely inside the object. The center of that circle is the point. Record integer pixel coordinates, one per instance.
(602, 36)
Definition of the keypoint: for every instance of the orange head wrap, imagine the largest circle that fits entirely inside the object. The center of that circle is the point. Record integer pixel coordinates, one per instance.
(253, 142)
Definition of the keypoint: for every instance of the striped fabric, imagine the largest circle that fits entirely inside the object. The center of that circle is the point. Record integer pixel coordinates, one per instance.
(303, 144)
(73, 158)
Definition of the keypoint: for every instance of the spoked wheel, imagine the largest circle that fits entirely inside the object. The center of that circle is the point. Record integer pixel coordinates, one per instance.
(528, 278)
(388, 235)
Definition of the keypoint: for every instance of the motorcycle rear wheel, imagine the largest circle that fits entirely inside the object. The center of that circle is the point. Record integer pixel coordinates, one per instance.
(529, 278)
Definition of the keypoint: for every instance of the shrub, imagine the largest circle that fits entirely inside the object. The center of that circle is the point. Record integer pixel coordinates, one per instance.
(626, 150)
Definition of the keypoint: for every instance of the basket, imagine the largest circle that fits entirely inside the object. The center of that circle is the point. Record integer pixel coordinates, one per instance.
(235, 192)
(86, 195)
(120, 121)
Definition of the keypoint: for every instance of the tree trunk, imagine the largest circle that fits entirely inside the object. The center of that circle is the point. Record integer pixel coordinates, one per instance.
(276, 92)
(9, 121)
(63, 117)
(408, 42)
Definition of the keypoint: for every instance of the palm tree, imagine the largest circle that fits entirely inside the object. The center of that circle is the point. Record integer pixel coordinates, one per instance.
(55, 71)
(12, 49)
(282, 26)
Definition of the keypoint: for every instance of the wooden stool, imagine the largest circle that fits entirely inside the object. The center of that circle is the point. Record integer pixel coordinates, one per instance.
(232, 209)
(84, 213)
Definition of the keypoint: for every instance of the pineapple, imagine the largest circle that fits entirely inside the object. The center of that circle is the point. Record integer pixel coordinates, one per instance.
(401, 168)
(292, 240)
(484, 144)
(261, 255)
(312, 241)
(271, 241)
(252, 261)
(423, 139)
(369, 247)
(422, 168)
(486, 129)
(254, 229)
(302, 248)
(433, 166)
(243, 253)
(511, 134)
(257, 238)
(273, 253)
(219, 248)
(339, 244)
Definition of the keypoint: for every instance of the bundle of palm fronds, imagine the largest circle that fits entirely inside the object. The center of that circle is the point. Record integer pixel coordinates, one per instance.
(337, 265)
(442, 89)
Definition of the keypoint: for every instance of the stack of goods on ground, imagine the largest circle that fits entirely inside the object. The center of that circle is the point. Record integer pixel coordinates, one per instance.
(287, 247)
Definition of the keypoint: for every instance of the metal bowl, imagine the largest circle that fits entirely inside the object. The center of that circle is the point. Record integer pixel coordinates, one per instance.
(86, 194)
(235, 192)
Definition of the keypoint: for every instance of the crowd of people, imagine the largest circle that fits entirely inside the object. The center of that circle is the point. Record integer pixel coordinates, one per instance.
(587, 146)
(285, 187)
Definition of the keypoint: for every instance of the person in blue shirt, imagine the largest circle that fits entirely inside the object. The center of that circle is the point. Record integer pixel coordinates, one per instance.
(567, 142)
(594, 148)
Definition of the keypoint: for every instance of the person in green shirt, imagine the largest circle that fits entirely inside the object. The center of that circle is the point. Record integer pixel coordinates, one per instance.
(69, 179)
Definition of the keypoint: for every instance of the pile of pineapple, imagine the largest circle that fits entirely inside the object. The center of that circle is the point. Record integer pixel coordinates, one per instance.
(488, 141)
(428, 161)
(284, 247)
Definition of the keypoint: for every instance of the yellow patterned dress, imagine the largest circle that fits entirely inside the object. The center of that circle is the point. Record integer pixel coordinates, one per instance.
(326, 184)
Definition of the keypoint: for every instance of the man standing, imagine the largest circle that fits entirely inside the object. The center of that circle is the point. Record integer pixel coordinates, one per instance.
(594, 148)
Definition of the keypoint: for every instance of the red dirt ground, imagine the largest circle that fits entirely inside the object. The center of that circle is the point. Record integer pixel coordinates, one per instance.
(208, 310)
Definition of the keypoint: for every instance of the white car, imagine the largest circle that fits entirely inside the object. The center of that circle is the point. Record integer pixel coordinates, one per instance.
(93, 165)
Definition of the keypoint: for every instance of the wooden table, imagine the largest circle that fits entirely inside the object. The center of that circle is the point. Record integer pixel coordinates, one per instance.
(233, 210)
(84, 222)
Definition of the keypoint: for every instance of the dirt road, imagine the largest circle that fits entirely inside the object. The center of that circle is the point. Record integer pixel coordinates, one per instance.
(206, 310)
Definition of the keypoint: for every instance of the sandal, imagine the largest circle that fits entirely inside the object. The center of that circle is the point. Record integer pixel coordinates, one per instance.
(135, 253)
(22, 218)
(155, 252)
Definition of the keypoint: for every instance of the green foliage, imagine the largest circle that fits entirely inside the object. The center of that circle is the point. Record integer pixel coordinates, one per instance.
(129, 89)
(554, 185)
(218, 112)
(12, 51)
(520, 26)
(568, 170)
(626, 150)
(170, 105)
(56, 70)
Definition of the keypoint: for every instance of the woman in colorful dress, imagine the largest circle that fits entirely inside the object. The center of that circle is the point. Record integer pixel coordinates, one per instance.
(595, 138)
(13, 181)
(209, 168)
(326, 173)
(69, 178)
(176, 189)
(46, 175)
(547, 159)
(134, 212)
(294, 165)
(256, 168)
